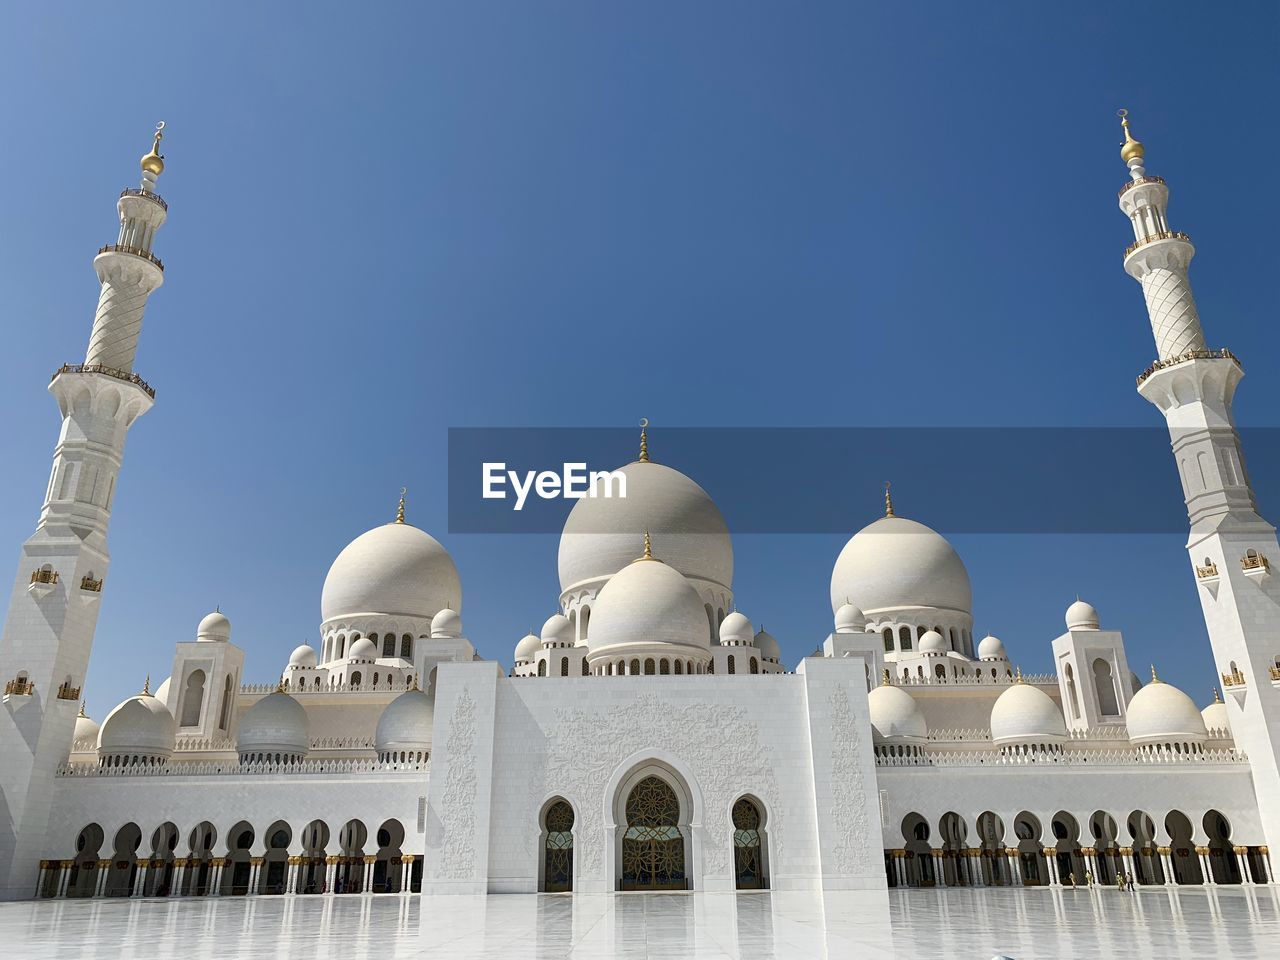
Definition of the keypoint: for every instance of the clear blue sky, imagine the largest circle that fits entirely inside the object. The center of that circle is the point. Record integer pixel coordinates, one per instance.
(392, 219)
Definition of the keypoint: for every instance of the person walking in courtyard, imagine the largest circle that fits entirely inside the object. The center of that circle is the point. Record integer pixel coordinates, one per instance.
(1071, 877)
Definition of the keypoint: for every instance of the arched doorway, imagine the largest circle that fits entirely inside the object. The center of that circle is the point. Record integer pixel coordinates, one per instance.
(350, 872)
(239, 866)
(84, 868)
(1222, 855)
(919, 853)
(955, 864)
(275, 865)
(1106, 846)
(124, 866)
(995, 862)
(749, 869)
(653, 846)
(1033, 870)
(196, 875)
(315, 837)
(1182, 849)
(557, 847)
(1066, 841)
(164, 841)
(1146, 858)
(387, 867)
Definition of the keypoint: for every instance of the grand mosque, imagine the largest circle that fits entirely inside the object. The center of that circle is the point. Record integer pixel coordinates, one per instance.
(648, 737)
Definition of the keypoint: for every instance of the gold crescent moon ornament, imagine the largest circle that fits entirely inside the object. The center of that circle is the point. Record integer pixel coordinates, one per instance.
(400, 512)
(644, 440)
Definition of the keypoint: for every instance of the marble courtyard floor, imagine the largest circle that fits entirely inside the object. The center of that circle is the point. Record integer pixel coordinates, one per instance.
(1021, 923)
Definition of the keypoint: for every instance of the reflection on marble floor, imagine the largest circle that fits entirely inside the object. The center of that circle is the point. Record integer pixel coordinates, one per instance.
(1024, 924)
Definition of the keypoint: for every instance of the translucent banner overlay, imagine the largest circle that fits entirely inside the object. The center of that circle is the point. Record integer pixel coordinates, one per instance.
(831, 480)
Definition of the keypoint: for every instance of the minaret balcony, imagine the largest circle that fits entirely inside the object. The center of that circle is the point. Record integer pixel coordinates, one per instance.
(1156, 238)
(43, 581)
(106, 371)
(133, 251)
(19, 686)
(1137, 183)
(68, 692)
(1207, 577)
(1234, 679)
(1223, 354)
(156, 198)
(90, 589)
(1255, 566)
(1275, 675)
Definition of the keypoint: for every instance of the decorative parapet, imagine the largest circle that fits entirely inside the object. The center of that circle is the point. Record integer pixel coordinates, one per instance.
(156, 198)
(19, 687)
(979, 679)
(1072, 758)
(1233, 679)
(1162, 235)
(106, 371)
(90, 585)
(1275, 673)
(1209, 570)
(1139, 181)
(1223, 354)
(398, 686)
(342, 743)
(68, 692)
(45, 575)
(211, 768)
(132, 251)
(204, 745)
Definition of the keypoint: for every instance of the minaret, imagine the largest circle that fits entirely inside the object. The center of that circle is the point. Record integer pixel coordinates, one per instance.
(53, 610)
(1230, 546)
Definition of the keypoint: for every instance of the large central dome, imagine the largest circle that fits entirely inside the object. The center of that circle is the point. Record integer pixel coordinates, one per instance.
(601, 534)
(894, 564)
(395, 570)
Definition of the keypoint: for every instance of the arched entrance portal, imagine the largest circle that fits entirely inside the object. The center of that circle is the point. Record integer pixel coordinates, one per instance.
(653, 846)
(748, 846)
(557, 848)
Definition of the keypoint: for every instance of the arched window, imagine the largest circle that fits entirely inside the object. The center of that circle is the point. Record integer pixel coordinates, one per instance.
(585, 667)
(564, 666)
(940, 672)
(224, 712)
(730, 664)
(649, 667)
(355, 679)
(904, 638)
(888, 639)
(1073, 698)
(635, 668)
(748, 850)
(664, 666)
(193, 699)
(755, 665)
(542, 668)
(406, 646)
(557, 855)
(679, 667)
(388, 645)
(1104, 685)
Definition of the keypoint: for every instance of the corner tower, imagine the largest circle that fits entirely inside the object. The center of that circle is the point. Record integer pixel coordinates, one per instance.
(1231, 546)
(53, 609)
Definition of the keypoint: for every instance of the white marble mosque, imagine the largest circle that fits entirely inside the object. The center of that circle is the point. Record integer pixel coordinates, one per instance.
(649, 737)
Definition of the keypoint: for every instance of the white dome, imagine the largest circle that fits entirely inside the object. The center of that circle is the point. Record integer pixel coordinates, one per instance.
(527, 649)
(768, 646)
(1082, 616)
(363, 649)
(406, 723)
(275, 724)
(849, 619)
(1026, 714)
(896, 564)
(1162, 713)
(446, 625)
(895, 716)
(162, 691)
(736, 629)
(557, 629)
(1214, 716)
(303, 656)
(603, 534)
(141, 726)
(86, 729)
(931, 642)
(214, 628)
(648, 602)
(396, 570)
(991, 648)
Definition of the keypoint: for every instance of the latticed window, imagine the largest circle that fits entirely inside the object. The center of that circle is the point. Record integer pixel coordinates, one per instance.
(747, 851)
(557, 871)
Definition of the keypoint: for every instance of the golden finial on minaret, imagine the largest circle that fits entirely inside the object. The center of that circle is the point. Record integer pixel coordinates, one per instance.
(648, 547)
(1154, 678)
(1020, 680)
(1131, 149)
(86, 716)
(888, 501)
(644, 440)
(146, 687)
(1216, 698)
(282, 687)
(400, 511)
(153, 162)
(885, 679)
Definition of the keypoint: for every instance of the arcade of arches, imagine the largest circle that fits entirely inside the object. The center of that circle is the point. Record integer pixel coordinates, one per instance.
(1100, 851)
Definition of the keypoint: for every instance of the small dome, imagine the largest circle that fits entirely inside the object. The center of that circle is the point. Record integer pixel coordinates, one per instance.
(557, 629)
(991, 648)
(849, 619)
(446, 625)
(895, 564)
(363, 649)
(141, 726)
(527, 649)
(396, 570)
(1214, 716)
(768, 646)
(1026, 714)
(275, 724)
(648, 602)
(86, 728)
(1161, 713)
(406, 723)
(303, 656)
(931, 642)
(735, 630)
(162, 691)
(895, 716)
(1082, 616)
(214, 628)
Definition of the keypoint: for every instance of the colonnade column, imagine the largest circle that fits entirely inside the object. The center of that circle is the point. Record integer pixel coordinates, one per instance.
(406, 872)
(1206, 867)
(1166, 865)
(1242, 858)
(291, 874)
(1051, 866)
(139, 879)
(1015, 866)
(45, 866)
(939, 875)
(330, 869)
(215, 876)
(64, 882)
(100, 885)
(974, 857)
